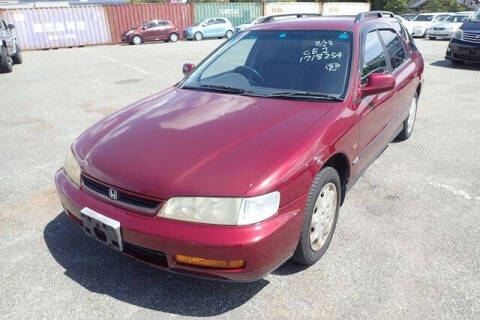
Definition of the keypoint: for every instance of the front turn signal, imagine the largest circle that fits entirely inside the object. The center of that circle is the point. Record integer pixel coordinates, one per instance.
(209, 263)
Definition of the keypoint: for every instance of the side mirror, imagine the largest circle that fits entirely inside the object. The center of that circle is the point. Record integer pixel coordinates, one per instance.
(377, 83)
(188, 68)
(144, 27)
(10, 26)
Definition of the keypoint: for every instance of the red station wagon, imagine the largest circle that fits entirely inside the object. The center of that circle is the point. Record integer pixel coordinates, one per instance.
(245, 163)
(151, 31)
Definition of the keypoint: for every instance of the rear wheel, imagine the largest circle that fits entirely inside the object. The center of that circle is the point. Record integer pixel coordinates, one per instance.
(6, 62)
(320, 217)
(229, 34)
(173, 37)
(136, 40)
(198, 36)
(17, 57)
(410, 121)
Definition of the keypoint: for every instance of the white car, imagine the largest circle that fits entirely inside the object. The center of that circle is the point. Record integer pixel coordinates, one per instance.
(248, 23)
(407, 24)
(424, 21)
(447, 27)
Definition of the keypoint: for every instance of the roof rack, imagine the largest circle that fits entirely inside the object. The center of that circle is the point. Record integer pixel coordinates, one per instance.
(377, 14)
(293, 15)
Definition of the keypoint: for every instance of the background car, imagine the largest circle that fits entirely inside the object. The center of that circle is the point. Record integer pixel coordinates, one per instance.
(405, 23)
(248, 23)
(425, 20)
(465, 43)
(9, 50)
(447, 27)
(209, 28)
(151, 31)
(409, 16)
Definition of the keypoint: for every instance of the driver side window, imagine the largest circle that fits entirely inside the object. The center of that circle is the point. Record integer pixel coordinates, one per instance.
(151, 24)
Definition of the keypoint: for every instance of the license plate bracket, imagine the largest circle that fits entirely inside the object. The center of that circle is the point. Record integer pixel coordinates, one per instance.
(101, 228)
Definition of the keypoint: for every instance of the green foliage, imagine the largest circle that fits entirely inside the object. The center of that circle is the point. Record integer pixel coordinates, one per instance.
(396, 6)
(443, 6)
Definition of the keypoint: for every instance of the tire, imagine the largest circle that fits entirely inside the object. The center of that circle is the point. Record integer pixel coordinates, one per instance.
(17, 58)
(310, 251)
(198, 36)
(173, 37)
(228, 34)
(6, 63)
(136, 40)
(409, 123)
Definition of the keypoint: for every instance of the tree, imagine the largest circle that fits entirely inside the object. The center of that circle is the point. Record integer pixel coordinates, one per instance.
(396, 6)
(443, 5)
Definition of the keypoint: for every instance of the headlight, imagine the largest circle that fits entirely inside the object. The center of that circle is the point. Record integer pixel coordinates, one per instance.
(129, 32)
(72, 168)
(457, 34)
(226, 211)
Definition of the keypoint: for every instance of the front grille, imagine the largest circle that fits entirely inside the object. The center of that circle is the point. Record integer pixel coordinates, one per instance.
(121, 196)
(471, 36)
(438, 28)
(147, 255)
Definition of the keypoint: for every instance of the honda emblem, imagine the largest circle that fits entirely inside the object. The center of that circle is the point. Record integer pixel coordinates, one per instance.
(112, 194)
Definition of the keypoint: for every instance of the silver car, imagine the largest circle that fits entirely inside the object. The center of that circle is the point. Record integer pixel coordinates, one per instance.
(446, 28)
(209, 28)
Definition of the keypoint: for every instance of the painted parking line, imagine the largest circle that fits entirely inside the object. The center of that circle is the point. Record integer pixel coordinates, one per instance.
(457, 192)
(126, 65)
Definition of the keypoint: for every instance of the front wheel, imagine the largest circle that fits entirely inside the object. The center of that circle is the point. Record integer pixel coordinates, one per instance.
(136, 40)
(173, 37)
(6, 63)
(198, 36)
(320, 217)
(410, 121)
(229, 34)
(17, 57)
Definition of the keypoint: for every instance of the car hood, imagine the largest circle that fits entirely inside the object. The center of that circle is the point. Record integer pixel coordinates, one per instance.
(448, 25)
(469, 25)
(185, 142)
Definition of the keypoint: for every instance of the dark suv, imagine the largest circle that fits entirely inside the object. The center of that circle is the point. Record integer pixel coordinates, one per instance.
(465, 43)
(9, 50)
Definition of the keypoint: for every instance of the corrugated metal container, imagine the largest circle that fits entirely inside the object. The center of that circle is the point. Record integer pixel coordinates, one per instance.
(344, 8)
(44, 28)
(123, 17)
(237, 13)
(274, 8)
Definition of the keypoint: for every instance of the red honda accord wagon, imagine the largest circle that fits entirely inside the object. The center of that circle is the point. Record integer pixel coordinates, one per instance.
(245, 163)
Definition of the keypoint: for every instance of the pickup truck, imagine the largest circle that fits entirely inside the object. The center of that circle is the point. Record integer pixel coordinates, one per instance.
(10, 53)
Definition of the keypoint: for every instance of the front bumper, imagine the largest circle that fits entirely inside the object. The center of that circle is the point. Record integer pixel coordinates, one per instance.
(460, 50)
(418, 32)
(126, 38)
(188, 34)
(264, 246)
(445, 34)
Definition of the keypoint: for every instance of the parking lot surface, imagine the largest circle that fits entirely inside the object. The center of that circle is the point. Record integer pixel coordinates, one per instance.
(407, 243)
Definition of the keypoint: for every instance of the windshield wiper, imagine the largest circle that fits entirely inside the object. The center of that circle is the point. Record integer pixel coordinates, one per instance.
(218, 88)
(300, 95)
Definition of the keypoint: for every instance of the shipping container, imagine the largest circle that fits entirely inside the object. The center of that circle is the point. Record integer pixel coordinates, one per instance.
(237, 13)
(276, 8)
(344, 8)
(124, 17)
(44, 28)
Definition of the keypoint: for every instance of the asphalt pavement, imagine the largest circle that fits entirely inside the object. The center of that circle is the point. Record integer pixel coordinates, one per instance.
(407, 243)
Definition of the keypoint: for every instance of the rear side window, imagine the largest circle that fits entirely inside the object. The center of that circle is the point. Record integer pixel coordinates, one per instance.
(374, 60)
(220, 21)
(395, 48)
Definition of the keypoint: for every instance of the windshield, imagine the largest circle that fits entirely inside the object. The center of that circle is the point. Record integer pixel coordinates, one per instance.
(476, 17)
(423, 18)
(267, 62)
(457, 18)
